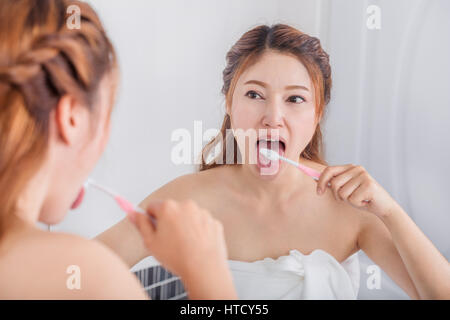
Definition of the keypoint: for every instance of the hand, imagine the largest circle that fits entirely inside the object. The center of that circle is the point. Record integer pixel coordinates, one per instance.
(354, 185)
(190, 243)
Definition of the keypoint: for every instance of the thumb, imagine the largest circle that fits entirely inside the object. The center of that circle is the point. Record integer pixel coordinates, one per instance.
(153, 207)
(145, 226)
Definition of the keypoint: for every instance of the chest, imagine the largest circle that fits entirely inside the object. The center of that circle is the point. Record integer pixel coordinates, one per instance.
(256, 230)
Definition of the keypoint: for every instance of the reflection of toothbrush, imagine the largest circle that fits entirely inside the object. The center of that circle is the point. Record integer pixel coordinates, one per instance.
(274, 156)
(124, 204)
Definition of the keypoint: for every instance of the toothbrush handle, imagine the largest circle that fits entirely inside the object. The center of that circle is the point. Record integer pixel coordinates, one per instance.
(306, 170)
(131, 209)
(310, 172)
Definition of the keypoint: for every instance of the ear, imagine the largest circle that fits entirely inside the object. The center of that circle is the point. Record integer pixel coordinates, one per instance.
(71, 118)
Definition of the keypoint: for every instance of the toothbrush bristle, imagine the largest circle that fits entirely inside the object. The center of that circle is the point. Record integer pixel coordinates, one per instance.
(86, 183)
(269, 154)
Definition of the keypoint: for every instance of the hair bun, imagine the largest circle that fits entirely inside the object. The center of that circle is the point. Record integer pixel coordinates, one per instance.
(19, 74)
(28, 66)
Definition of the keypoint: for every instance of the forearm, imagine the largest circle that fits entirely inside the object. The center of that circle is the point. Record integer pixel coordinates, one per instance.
(125, 240)
(213, 283)
(427, 267)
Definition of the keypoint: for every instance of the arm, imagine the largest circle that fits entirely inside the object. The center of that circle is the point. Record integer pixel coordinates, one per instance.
(100, 274)
(399, 247)
(189, 242)
(107, 277)
(388, 235)
(125, 240)
(376, 241)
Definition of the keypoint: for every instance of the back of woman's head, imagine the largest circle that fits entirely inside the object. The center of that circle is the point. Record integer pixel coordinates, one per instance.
(42, 60)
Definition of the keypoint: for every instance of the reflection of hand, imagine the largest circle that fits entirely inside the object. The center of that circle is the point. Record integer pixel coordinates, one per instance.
(354, 185)
(190, 243)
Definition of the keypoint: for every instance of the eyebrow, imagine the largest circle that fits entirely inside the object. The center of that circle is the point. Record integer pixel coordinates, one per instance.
(264, 85)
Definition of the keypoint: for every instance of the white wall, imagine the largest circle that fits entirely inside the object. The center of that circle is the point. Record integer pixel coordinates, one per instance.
(389, 110)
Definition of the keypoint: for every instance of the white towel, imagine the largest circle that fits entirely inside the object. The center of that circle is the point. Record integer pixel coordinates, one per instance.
(317, 275)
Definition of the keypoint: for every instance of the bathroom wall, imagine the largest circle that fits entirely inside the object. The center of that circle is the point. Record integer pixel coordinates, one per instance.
(390, 109)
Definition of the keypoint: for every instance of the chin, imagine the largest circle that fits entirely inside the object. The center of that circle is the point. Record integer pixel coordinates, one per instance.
(52, 218)
(268, 173)
(53, 212)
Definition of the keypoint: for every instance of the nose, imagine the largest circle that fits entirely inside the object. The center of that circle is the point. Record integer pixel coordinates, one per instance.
(273, 115)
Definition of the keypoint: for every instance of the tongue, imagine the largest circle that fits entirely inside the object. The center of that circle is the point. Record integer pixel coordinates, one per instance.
(275, 146)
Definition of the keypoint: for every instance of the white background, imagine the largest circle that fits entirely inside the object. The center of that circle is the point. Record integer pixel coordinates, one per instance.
(389, 111)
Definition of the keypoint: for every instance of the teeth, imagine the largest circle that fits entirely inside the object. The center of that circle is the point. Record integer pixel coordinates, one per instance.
(269, 140)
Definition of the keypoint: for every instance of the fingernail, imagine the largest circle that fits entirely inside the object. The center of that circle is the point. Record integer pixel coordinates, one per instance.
(319, 190)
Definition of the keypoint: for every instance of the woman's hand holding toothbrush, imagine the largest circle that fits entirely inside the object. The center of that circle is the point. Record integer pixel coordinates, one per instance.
(353, 184)
(349, 183)
(189, 242)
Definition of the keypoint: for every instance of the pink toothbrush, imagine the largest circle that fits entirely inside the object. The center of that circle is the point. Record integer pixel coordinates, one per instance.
(274, 156)
(124, 204)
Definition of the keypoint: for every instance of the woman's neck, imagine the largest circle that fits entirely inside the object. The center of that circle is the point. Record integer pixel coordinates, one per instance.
(16, 230)
(288, 181)
(31, 200)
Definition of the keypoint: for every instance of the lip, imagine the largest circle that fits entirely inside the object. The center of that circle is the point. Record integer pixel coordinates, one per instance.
(269, 137)
(76, 203)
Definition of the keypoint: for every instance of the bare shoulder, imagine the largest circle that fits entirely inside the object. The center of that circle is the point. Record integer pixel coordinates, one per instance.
(64, 266)
(350, 219)
(188, 186)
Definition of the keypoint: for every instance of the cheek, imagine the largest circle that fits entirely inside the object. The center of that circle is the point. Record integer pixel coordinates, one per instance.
(244, 116)
(302, 129)
(105, 137)
(102, 134)
(96, 145)
(305, 124)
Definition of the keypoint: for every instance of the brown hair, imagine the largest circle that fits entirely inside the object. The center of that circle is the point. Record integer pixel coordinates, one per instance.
(245, 52)
(41, 60)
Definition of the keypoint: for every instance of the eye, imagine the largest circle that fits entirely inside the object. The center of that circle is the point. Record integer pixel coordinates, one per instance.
(253, 95)
(296, 99)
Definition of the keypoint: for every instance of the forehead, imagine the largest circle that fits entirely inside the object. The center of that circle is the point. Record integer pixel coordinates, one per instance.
(277, 70)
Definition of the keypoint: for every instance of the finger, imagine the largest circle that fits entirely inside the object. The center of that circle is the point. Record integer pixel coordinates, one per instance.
(328, 174)
(153, 205)
(157, 207)
(338, 182)
(361, 197)
(350, 186)
(145, 227)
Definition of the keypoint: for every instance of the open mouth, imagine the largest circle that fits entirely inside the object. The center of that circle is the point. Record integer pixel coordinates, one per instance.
(276, 145)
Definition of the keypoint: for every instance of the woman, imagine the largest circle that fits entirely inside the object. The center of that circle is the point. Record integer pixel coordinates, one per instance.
(285, 238)
(56, 94)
